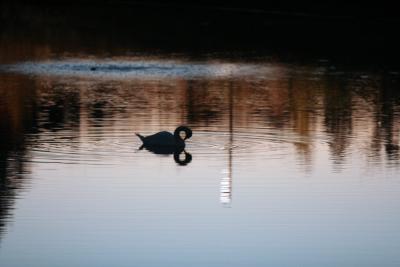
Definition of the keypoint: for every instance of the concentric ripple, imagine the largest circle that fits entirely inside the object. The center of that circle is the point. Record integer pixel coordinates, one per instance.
(112, 148)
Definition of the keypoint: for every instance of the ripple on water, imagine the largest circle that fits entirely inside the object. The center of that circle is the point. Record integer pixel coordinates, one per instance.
(265, 143)
(112, 148)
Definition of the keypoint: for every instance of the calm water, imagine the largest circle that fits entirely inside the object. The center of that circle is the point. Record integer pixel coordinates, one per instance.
(292, 164)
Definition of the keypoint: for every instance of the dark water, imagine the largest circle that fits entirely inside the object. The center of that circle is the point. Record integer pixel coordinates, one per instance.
(293, 163)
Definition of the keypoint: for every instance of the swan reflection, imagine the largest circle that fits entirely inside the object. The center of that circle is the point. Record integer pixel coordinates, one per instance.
(181, 157)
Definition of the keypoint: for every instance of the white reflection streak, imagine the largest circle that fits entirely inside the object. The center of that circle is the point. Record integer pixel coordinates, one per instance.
(226, 188)
(226, 181)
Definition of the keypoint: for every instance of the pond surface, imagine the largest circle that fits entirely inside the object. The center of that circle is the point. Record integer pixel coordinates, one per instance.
(290, 163)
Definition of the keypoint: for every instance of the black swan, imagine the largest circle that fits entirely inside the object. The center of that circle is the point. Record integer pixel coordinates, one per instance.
(167, 139)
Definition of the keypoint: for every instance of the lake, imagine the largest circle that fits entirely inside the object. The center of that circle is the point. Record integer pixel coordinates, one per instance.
(291, 162)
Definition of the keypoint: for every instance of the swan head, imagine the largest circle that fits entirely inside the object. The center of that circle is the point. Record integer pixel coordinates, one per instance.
(186, 130)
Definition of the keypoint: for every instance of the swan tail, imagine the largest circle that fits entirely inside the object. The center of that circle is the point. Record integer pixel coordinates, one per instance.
(140, 136)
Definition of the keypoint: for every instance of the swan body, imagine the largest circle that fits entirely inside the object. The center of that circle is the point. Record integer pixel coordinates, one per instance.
(167, 139)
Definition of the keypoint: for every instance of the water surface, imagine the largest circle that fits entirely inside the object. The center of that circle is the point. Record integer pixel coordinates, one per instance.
(293, 163)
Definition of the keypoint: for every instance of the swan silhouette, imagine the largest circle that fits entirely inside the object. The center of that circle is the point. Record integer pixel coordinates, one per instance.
(166, 140)
(168, 143)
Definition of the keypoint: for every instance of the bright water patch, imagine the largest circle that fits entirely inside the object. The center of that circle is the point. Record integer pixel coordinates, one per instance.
(141, 69)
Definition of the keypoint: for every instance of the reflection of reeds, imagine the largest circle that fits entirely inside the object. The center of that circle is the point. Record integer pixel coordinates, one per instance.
(293, 103)
(17, 118)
